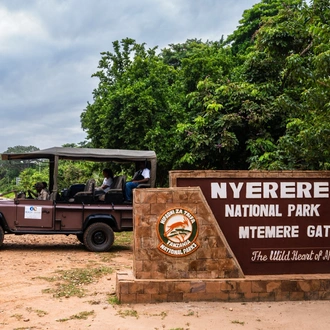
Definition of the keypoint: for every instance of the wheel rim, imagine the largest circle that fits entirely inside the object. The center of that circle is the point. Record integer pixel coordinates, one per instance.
(99, 237)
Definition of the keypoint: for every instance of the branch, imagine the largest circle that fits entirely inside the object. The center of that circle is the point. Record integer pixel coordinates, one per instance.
(306, 49)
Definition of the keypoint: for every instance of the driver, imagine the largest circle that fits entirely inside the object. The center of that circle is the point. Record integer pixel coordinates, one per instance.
(41, 194)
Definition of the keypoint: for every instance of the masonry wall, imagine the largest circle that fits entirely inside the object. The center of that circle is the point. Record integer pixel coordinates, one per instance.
(213, 258)
(250, 288)
(211, 273)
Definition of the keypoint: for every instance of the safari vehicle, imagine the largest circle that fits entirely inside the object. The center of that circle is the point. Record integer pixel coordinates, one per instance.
(78, 210)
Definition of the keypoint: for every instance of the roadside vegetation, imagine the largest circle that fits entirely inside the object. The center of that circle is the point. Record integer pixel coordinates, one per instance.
(72, 282)
(256, 100)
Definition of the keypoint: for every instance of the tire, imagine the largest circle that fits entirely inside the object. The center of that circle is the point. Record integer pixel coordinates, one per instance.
(99, 237)
(80, 238)
(2, 236)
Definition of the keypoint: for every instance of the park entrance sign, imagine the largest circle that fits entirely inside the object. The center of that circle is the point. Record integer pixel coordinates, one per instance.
(274, 222)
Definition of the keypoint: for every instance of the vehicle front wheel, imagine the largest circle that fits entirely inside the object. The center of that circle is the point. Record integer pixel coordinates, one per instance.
(2, 235)
(99, 237)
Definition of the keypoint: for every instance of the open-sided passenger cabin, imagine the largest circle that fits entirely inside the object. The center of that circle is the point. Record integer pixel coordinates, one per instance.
(90, 195)
(86, 193)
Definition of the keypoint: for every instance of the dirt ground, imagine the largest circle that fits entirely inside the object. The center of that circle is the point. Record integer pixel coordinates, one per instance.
(32, 296)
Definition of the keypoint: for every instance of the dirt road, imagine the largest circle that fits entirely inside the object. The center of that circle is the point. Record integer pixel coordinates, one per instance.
(52, 282)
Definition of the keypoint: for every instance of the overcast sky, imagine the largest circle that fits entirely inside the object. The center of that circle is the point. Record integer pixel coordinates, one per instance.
(50, 48)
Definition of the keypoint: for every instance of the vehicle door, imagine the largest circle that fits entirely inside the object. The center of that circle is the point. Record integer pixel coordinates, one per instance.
(34, 214)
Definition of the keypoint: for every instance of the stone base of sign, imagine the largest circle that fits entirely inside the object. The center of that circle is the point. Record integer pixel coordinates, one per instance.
(250, 288)
(211, 273)
(212, 259)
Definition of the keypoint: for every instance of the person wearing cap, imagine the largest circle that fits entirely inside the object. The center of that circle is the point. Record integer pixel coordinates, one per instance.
(41, 194)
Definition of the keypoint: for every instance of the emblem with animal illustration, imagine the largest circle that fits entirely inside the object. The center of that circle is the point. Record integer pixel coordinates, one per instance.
(177, 230)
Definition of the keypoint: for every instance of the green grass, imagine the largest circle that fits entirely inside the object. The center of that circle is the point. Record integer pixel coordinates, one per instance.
(94, 302)
(123, 242)
(80, 316)
(161, 314)
(70, 283)
(113, 300)
(124, 238)
(39, 312)
(18, 317)
(128, 312)
(190, 313)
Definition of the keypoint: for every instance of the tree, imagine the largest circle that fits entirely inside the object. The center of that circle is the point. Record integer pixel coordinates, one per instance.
(305, 54)
(272, 109)
(243, 37)
(256, 100)
(135, 105)
(10, 170)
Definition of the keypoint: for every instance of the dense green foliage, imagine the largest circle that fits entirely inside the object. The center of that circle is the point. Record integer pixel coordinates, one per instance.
(10, 170)
(29, 172)
(257, 100)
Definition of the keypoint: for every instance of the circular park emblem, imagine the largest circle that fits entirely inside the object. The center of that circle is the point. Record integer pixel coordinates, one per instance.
(177, 230)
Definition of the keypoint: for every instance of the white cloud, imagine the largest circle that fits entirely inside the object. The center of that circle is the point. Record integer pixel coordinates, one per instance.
(49, 50)
(17, 28)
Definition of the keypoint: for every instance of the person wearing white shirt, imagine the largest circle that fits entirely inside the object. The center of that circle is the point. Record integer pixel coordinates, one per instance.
(107, 181)
(141, 176)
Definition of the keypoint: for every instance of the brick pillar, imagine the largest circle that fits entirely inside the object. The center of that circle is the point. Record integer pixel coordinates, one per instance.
(212, 259)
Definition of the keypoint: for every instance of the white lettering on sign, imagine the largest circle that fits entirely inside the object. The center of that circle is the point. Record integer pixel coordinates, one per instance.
(290, 255)
(270, 210)
(167, 215)
(318, 231)
(258, 256)
(246, 232)
(278, 255)
(252, 210)
(189, 216)
(303, 210)
(178, 252)
(273, 190)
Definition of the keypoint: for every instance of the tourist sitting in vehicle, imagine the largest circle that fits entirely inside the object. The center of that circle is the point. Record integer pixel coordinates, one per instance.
(107, 181)
(141, 176)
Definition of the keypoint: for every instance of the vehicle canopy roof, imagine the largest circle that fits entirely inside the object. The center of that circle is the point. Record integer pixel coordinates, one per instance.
(88, 154)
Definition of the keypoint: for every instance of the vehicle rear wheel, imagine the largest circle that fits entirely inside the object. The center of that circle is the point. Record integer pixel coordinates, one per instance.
(2, 235)
(99, 237)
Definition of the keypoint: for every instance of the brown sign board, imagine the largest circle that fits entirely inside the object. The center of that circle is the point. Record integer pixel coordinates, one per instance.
(274, 222)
